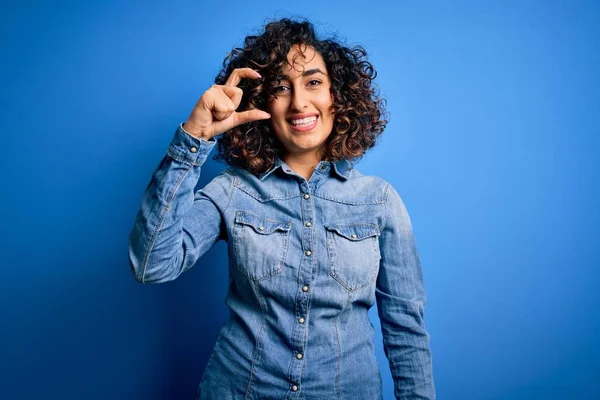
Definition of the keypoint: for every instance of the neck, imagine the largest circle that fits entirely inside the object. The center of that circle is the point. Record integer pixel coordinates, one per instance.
(302, 163)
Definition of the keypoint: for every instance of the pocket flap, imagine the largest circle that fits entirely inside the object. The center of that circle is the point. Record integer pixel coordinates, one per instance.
(356, 231)
(261, 225)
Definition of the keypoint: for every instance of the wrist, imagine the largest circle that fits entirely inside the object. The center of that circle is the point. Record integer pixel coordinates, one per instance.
(194, 131)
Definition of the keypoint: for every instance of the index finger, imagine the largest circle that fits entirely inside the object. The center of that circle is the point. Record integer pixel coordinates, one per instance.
(239, 73)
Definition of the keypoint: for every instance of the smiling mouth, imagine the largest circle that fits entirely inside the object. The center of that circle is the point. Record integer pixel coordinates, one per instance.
(304, 124)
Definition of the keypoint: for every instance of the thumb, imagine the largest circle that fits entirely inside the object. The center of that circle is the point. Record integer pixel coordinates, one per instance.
(251, 115)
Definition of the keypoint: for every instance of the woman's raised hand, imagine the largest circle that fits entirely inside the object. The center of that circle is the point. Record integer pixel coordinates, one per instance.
(215, 111)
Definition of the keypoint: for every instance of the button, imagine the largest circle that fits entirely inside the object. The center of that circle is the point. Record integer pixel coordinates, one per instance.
(308, 224)
(299, 356)
(307, 196)
(294, 388)
(261, 228)
(193, 149)
(305, 288)
(308, 253)
(301, 320)
(353, 236)
(323, 167)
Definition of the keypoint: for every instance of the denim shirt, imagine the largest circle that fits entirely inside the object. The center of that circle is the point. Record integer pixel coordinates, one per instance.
(307, 260)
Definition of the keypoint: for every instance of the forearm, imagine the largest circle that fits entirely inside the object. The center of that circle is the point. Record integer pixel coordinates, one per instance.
(401, 301)
(157, 251)
(407, 347)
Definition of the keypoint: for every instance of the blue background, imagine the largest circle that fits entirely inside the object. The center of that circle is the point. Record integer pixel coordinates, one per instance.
(493, 144)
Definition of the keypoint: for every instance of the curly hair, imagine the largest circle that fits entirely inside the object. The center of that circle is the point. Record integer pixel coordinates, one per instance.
(359, 111)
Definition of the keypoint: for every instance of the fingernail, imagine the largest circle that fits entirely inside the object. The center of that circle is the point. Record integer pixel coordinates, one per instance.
(257, 74)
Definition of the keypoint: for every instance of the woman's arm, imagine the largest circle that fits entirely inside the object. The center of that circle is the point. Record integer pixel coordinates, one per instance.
(400, 295)
(174, 225)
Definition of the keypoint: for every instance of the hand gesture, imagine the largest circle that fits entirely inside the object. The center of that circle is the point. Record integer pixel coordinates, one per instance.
(215, 111)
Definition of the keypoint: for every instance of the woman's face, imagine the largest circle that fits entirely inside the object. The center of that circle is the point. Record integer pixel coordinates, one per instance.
(302, 113)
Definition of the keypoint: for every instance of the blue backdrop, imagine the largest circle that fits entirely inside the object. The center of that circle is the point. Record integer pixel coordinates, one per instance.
(493, 144)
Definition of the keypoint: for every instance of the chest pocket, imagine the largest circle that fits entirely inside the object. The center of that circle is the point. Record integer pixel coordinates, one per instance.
(353, 254)
(260, 244)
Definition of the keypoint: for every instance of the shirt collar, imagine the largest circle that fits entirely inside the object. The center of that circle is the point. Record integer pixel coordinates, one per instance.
(277, 164)
(342, 168)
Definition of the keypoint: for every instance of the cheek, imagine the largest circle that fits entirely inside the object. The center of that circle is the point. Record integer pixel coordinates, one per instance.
(270, 108)
(276, 109)
(326, 102)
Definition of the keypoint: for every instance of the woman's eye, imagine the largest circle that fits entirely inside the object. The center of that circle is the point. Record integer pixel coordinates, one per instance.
(314, 82)
(279, 89)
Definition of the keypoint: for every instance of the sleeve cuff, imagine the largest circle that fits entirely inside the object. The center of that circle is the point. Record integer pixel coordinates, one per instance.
(189, 149)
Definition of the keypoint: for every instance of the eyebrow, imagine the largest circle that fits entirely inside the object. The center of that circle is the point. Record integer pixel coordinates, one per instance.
(308, 72)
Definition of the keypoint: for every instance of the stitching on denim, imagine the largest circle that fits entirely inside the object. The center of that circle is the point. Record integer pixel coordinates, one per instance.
(162, 218)
(258, 197)
(298, 310)
(259, 298)
(334, 227)
(181, 158)
(249, 218)
(332, 255)
(285, 247)
(228, 172)
(376, 252)
(276, 271)
(386, 203)
(342, 201)
(304, 341)
(339, 357)
(304, 336)
(235, 250)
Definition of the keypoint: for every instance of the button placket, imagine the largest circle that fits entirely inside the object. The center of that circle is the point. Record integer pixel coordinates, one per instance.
(306, 266)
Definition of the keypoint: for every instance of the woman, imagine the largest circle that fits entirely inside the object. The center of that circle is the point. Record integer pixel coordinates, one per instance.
(312, 243)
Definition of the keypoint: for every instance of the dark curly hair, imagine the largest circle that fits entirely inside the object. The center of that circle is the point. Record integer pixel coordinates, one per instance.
(359, 112)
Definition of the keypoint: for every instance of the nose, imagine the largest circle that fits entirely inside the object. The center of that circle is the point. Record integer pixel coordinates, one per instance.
(299, 100)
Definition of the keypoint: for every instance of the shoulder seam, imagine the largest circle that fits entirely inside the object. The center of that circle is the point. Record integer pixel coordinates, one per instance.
(385, 202)
(232, 186)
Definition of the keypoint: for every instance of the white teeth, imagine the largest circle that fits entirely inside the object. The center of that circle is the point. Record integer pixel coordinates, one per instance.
(303, 121)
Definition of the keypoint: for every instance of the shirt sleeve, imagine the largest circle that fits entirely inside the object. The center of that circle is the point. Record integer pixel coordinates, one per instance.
(400, 296)
(175, 226)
